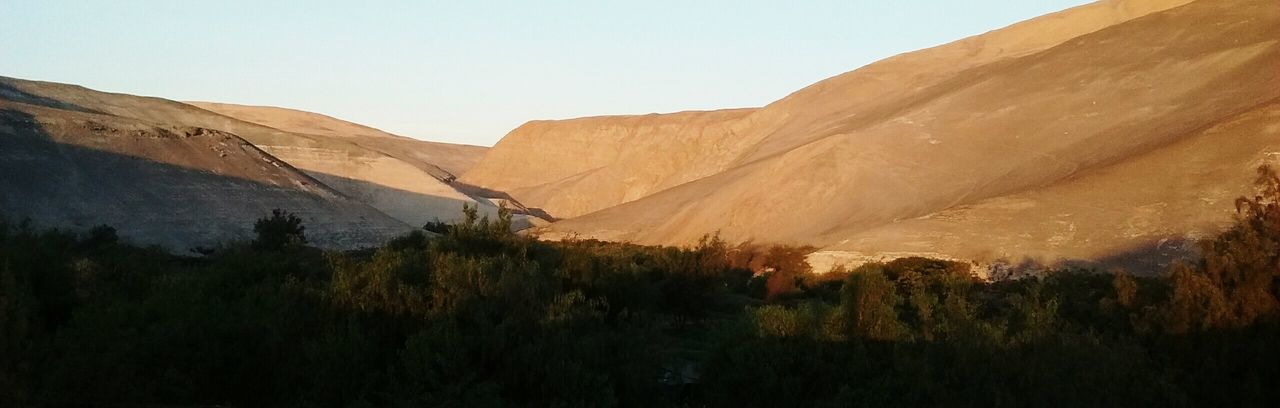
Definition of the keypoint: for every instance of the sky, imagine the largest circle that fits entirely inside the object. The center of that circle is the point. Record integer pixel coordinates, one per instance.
(470, 71)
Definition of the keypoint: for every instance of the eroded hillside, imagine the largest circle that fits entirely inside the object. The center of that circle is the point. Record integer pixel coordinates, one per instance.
(432, 157)
(860, 162)
(407, 190)
(574, 167)
(179, 187)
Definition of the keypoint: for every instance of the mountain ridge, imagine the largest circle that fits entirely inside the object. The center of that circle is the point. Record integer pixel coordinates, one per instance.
(758, 126)
(178, 187)
(442, 160)
(407, 190)
(840, 166)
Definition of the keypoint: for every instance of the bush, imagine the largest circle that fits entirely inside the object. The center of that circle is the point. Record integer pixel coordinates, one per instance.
(483, 317)
(279, 231)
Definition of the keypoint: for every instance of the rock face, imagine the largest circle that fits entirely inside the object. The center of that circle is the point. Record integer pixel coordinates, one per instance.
(402, 185)
(180, 187)
(1115, 130)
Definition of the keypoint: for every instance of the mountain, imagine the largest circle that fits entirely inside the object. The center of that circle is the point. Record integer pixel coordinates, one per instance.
(1113, 131)
(573, 167)
(180, 187)
(401, 185)
(443, 160)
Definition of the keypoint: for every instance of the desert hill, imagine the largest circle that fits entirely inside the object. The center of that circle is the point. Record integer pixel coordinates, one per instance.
(1100, 131)
(646, 154)
(179, 187)
(578, 166)
(407, 190)
(433, 157)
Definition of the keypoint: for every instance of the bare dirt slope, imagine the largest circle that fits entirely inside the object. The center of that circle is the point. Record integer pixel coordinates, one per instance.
(578, 166)
(179, 187)
(454, 159)
(937, 152)
(584, 165)
(395, 186)
(1139, 214)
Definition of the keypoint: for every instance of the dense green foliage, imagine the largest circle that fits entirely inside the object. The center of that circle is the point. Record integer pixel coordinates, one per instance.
(481, 317)
(278, 231)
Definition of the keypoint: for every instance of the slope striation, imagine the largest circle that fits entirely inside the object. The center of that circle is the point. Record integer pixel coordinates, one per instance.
(433, 157)
(396, 187)
(574, 167)
(861, 162)
(179, 187)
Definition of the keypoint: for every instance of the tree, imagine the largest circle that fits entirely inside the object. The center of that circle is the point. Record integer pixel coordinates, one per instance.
(786, 265)
(870, 305)
(16, 330)
(281, 230)
(1245, 260)
(437, 226)
(101, 235)
(1238, 280)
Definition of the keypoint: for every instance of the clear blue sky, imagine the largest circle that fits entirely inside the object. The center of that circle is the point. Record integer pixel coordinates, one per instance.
(469, 71)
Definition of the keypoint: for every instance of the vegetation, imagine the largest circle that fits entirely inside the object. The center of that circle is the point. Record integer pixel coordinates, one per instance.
(482, 317)
(279, 231)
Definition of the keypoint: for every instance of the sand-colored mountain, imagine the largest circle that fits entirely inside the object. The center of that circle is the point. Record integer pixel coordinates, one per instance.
(1139, 214)
(180, 187)
(432, 157)
(404, 189)
(444, 161)
(584, 165)
(574, 167)
(1062, 137)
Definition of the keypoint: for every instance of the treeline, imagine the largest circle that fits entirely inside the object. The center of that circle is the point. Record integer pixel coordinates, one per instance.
(476, 316)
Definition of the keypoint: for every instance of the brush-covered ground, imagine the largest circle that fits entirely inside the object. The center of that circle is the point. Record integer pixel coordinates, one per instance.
(481, 317)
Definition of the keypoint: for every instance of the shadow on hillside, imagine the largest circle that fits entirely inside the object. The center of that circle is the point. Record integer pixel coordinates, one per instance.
(12, 93)
(477, 191)
(411, 207)
(1153, 258)
(63, 185)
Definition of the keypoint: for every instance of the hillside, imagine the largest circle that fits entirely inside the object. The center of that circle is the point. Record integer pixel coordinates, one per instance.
(1078, 210)
(396, 187)
(179, 187)
(1050, 132)
(453, 159)
(641, 155)
(585, 165)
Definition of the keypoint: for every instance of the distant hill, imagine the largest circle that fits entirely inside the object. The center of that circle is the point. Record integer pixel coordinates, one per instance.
(410, 190)
(367, 185)
(180, 187)
(1114, 132)
(454, 159)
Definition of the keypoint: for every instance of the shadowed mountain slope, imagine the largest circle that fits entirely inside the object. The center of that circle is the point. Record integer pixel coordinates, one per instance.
(1091, 108)
(179, 187)
(364, 174)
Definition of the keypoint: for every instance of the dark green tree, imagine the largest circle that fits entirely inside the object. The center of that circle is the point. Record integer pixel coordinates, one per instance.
(870, 303)
(281, 230)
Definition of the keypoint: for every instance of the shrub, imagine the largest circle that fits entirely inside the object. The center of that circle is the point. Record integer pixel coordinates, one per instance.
(281, 230)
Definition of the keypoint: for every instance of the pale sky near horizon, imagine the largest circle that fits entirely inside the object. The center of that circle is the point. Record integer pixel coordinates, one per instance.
(470, 71)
